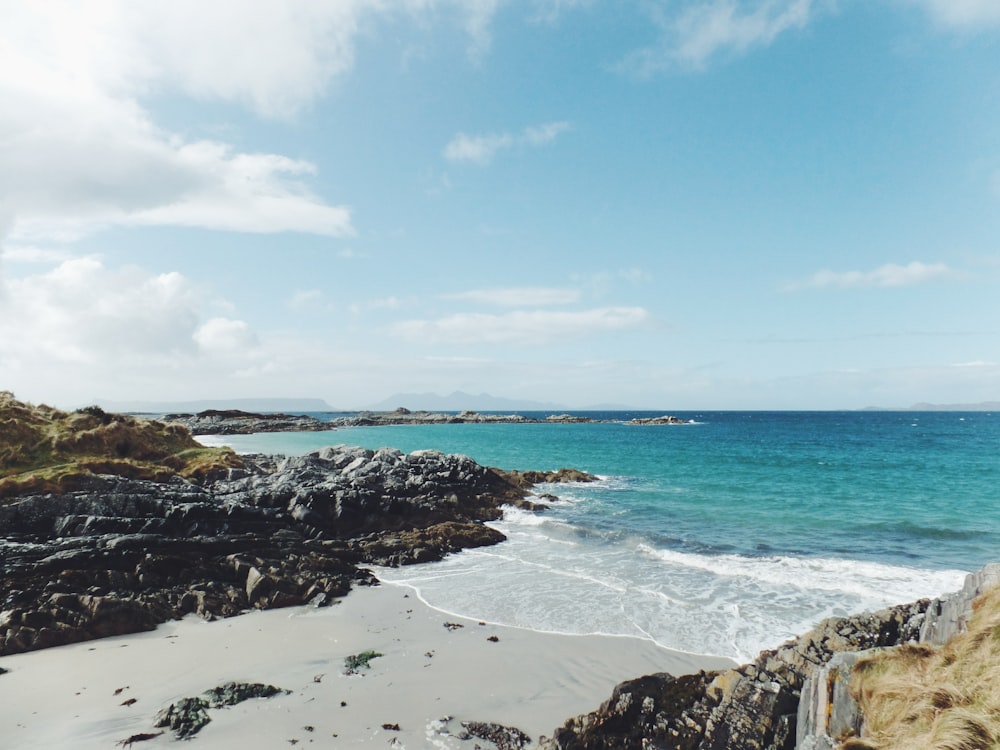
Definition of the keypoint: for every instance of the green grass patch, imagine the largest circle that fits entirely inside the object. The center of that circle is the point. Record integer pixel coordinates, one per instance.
(43, 449)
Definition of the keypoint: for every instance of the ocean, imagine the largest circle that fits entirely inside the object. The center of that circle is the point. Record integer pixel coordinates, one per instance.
(725, 536)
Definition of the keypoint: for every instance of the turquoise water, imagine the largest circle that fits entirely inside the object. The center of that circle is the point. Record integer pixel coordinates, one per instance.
(724, 536)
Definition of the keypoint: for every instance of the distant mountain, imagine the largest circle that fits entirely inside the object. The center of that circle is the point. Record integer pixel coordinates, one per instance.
(981, 406)
(293, 405)
(459, 401)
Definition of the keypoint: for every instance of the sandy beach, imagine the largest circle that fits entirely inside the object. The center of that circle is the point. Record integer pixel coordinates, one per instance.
(435, 672)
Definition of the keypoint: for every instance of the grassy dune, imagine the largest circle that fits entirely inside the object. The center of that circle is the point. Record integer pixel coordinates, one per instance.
(919, 697)
(43, 449)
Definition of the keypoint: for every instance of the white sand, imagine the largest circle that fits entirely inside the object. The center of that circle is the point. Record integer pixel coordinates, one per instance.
(65, 697)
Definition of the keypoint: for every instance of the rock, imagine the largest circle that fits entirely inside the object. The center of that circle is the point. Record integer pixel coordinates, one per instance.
(236, 422)
(950, 614)
(658, 710)
(118, 555)
(527, 479)
(826, 708)
(754, 706)
(658, 420)
(405, 416)
(502, 737)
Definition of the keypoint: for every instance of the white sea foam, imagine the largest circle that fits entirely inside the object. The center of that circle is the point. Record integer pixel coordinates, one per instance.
(727, 605)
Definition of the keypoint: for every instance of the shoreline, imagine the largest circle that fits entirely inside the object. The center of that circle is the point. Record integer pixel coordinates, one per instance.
(434, 665)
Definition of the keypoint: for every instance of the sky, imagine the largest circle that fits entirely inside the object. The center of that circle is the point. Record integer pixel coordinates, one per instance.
(660, 204)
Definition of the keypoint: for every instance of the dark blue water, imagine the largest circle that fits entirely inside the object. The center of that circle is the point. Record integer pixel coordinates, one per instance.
(722, 536)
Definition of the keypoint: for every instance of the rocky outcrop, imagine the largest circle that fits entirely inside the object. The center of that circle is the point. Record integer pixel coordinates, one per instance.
(950, 614)
(658, 710)
(119, 555)
(666, 419)
(754, 706)
(236, 422)
(405, 416)
(828, 710)
(528, 479)
(45, 450)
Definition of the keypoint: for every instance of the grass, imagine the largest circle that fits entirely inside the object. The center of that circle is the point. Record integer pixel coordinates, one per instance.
(43, 449)
(917, 697)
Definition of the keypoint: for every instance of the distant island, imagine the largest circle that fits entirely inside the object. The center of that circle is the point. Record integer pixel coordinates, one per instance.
(981, 406)
(237, 422)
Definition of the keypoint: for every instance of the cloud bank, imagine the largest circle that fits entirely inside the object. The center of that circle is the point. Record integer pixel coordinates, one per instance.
(480, 149)
(889, 275)
(522, 327)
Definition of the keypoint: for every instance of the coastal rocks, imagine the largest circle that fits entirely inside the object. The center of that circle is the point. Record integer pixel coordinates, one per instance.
(754, 706)
(405, 416)
(826, 708)
(527, 479)
(658, 710)
(119, 555)
(950, 615)
(236, 422)
(502, 737)
(666, 419)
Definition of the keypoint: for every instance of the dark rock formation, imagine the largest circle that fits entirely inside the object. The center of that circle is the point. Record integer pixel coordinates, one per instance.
(502, 737)
(528, 479)
(753, 706)
(405, 416)
(120, 555)
(236, 422)
(659, 420)
(657, 710)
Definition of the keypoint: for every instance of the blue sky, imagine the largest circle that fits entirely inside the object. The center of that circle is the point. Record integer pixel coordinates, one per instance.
(754, 204)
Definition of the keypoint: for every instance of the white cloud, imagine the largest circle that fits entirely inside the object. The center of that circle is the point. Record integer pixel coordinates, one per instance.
(33, 254)
(518, 296)
(83, 330)
(539, 135)
(480, 149)
(306, 299)
(384, 303)
(81, 312)
(963, 14)
(700, 31)
(889, 275)
(81, 152)
(224, 334)
(532, 327)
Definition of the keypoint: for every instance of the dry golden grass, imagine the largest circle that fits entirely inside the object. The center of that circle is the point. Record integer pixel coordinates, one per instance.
(947, 698)
(47, 450)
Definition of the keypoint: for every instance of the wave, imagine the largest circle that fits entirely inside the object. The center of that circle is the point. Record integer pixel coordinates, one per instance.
(720, 604)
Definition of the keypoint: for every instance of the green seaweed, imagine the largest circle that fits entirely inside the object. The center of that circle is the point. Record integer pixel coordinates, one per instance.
(354, 662)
